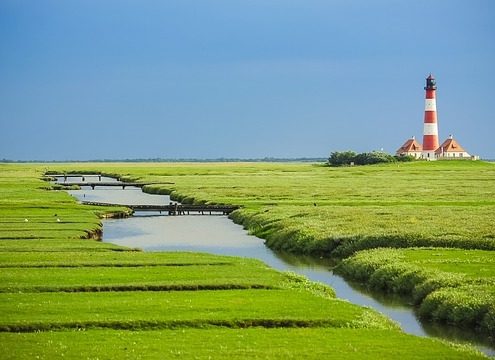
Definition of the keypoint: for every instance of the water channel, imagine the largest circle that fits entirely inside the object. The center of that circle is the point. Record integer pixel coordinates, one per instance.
(219, 235)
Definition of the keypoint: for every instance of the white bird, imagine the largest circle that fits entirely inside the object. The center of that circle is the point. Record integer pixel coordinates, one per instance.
(26, 220)
(58, 220)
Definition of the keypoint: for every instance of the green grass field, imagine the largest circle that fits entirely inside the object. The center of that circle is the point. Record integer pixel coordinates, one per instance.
(216, 343)
(138, 276)
(323, 211)
(28, 210)
(172, 309)
(443, 203)
(107, 301)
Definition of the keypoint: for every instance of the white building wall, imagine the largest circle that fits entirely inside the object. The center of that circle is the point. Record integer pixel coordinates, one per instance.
(455, 155)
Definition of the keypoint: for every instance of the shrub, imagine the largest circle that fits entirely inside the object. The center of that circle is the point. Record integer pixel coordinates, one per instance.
(404, 158)
(340, 158)
(374, 157)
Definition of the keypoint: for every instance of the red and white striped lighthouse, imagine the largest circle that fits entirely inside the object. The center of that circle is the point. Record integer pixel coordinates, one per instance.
(430, 129)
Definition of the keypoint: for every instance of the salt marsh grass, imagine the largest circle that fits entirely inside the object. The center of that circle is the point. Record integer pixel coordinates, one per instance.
(449, 285)
(55, 277)
(443, 203)
(223, 343)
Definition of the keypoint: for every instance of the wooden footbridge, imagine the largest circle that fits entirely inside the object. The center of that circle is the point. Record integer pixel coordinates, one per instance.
(123, 185)
(175, 209)
(82, 176)
(93, 184)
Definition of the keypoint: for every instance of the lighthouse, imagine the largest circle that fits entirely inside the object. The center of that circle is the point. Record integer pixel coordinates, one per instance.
(430, 129)
(431, 150)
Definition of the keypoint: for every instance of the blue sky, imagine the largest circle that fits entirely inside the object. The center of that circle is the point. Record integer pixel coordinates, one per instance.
(123, 79)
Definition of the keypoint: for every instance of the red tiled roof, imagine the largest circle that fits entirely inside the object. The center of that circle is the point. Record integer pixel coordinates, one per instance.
(449, 145)
(410, 145)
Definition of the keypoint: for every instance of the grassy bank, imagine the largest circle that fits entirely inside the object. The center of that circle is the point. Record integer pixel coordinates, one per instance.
(449, 285)
(105, 301)
(29, 209)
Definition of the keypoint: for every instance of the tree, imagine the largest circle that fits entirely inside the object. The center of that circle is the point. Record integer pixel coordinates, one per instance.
(374, 157)
(340, 158)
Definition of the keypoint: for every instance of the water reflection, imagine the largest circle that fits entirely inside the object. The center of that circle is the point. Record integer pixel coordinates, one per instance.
(115, 195)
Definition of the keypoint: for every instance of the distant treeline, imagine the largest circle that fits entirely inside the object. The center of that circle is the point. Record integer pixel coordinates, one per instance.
(338, 158)
(266, 159)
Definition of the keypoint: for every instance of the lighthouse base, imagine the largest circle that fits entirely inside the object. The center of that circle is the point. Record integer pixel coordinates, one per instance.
(429, 155)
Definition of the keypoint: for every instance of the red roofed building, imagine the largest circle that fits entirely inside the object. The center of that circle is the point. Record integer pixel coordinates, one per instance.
(450, 149)
(410, 148)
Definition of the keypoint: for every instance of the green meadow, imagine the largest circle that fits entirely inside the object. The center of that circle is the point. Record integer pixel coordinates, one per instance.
(63, 294)
(335, 212)
(441, 204)
(222, 343)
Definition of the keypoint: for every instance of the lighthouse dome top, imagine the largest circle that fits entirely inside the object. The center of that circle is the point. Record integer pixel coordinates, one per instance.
(431, 83)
